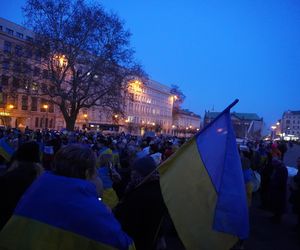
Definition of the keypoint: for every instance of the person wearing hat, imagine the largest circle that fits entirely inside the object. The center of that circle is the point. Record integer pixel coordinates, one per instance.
(142, 209)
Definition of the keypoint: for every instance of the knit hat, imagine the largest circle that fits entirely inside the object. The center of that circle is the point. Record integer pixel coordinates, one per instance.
(144, 166)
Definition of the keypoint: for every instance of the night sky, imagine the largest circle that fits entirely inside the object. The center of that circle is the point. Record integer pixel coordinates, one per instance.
(215, 50)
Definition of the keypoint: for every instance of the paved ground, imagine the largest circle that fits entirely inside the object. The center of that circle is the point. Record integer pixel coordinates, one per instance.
(265, 235)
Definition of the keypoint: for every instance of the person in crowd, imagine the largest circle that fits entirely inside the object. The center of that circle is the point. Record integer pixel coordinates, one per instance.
(61, 209)
(295, 194)
(278, 189)
(24, 168)
(282, 147)
(266, 173)
(108, 175)
(142, 209)
(247, 171)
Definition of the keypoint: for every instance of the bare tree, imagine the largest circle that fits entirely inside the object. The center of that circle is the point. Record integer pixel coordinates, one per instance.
(85, 55)
(179, 98)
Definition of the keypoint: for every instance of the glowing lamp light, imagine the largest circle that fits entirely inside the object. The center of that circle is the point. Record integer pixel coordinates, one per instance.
(116, 116)
(45, 106)
(85, 115)
(273, 127)
(10, 106)
(173, 126)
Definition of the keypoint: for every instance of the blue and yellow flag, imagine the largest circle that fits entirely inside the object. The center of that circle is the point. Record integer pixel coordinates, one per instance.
(204, 191)
(6, 151)
(59, 212)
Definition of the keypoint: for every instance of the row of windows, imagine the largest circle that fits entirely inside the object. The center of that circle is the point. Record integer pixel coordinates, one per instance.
(16, 33)
(154, 100)
(293, 121)
(44, 122)
(20, 51)
(148, 110)
(19, 67)
(35, 105)
(143, 120)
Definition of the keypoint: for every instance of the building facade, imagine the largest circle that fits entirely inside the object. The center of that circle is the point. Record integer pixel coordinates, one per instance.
(185, 123)
(148, 105)
(290, 123)
(17, 107)
(246, 125)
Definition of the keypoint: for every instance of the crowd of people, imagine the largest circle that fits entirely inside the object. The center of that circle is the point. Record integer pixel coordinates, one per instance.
(58, 177)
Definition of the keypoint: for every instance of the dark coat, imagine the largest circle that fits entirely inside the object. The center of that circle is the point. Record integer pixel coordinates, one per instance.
(140, 213)
(13, 184)
(278, 188)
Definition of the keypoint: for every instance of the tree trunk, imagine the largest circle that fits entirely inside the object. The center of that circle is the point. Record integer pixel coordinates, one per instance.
(70, 121)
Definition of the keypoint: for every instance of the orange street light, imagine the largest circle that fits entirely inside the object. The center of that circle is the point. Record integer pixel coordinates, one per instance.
(10, 106)
(85, 115)
(45, 106)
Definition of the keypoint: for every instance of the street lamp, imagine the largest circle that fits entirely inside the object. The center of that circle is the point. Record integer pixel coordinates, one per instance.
(85, 116)
(46, 106)
(272, 131)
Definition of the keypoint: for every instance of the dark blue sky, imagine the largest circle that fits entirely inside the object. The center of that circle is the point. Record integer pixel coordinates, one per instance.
(215, 50)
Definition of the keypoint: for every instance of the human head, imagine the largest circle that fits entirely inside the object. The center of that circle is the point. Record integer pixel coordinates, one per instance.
(144, 166)
(28, 152)
(75, 161)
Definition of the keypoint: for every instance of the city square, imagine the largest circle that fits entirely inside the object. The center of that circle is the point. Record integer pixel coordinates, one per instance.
(180, 136)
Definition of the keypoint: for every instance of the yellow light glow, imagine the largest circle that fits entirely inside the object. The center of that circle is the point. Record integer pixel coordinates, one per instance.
(4, 113)
(116, 116)
(85, 115)
(153, 123)
(61, 60)
(173, 126)
(45, 106)
(10, 106)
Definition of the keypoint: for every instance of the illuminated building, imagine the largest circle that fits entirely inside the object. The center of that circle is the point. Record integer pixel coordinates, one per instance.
(148, 105)
(290, 125)
(20, 105)
(185, 123)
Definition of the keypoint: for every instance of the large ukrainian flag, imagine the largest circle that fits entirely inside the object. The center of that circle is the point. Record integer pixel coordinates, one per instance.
(63, 213)
(204, 190)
